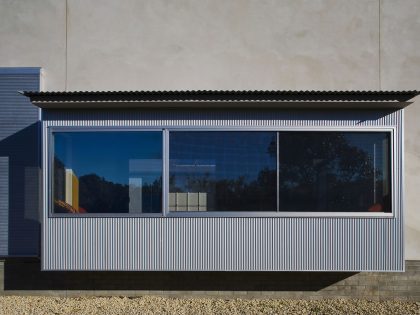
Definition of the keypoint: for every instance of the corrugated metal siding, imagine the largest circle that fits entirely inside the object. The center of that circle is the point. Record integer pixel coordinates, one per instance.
(4, 205)
(19, 145)
(222, 244)
(216, 118)
(252, 244)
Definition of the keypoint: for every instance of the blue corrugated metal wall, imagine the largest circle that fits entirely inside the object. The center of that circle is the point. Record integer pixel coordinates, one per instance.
(19, 164)
(231, 244)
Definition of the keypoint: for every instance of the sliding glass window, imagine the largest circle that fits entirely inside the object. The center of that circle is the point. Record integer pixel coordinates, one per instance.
(291, 171)
(334, 172)
(121, 172)
(222, 171)
(107, 172)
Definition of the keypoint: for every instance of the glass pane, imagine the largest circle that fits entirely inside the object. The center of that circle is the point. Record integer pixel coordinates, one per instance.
(222, 171)
(107, 172)
(334, 171)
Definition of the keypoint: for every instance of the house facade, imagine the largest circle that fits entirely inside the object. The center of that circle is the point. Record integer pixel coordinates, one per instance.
(210, 137)
(222, 181)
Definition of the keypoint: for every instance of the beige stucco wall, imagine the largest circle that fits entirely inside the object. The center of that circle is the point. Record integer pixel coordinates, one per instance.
(400, 69)
(219, 44)
(33, 34)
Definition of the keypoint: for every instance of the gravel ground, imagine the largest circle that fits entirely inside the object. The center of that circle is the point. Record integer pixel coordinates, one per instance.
(157, 305)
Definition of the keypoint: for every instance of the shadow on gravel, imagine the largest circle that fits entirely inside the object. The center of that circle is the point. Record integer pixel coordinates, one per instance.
(26, 274)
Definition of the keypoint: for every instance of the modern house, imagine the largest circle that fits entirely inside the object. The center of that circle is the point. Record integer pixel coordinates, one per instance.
(222, 180)
(179, 138)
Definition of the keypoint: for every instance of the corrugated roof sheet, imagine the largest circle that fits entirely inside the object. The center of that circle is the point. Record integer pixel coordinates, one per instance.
(92, 99)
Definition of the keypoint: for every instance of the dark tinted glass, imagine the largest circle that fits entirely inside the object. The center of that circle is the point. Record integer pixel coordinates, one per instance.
(334, 171)
(107, 172)
(222, 171)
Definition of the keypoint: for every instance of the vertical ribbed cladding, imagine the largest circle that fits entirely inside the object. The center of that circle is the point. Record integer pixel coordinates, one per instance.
(19, 163)
(328, 244)
(4, 205)
(254, 244)
(216, 118)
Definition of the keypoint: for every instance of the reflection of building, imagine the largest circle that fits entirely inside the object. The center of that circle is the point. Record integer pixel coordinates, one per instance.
(190, 201)
(135, 193)
(72, 189)
(142, 174)
(66, 190)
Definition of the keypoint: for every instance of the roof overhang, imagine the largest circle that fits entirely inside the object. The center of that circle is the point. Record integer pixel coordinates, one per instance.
(223, 99)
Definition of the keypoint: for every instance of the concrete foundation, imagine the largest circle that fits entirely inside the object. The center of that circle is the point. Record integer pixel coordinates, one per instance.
(24, 277)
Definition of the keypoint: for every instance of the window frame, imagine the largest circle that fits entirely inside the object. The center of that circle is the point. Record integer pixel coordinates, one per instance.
(166, 130)
(50, 173)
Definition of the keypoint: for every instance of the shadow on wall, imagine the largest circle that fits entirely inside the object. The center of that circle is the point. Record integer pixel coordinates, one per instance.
(22, 149)
(358, 116)
(25, 274)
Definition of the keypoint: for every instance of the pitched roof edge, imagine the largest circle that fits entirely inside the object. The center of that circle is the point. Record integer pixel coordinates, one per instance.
(62, 98)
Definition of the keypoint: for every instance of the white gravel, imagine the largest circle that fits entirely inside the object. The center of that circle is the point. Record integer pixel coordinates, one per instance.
(157, 305)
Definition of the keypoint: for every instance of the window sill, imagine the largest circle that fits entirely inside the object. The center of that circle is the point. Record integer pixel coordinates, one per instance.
(232, 215)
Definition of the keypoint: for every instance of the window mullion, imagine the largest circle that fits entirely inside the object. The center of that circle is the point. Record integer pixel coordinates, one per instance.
(165, 173)
(278, 171)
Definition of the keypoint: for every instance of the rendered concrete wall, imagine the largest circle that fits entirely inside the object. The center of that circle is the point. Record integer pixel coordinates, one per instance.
(187, 44)
(223, 45)
(238, 44)
(33, 34)
(400, 69)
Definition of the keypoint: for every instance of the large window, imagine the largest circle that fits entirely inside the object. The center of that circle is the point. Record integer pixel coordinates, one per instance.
(334, 172)
(279, 171)
(211, 171)
(107, 172)
(222, 171)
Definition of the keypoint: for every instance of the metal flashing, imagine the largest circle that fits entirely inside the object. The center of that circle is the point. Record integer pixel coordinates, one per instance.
(20, 70)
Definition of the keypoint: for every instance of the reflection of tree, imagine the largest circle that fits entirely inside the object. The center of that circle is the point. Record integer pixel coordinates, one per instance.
(59, 179)
(98, 195)
(302, 157)
(237, 194)
(256, 191)
(256, 195)
(324, 172)
(319, 171)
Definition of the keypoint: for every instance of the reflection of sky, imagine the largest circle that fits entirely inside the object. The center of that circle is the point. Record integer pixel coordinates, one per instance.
(220, 155)
(365, 140)
(107, 154)
(235, 154)
(373, 144)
